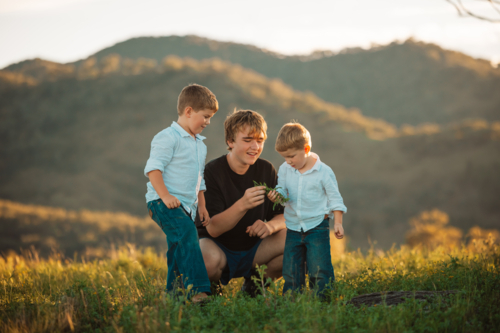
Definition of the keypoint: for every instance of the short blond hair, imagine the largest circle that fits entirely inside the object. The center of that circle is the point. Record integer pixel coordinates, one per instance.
(198, 97)
(292, 136)
(237, 120)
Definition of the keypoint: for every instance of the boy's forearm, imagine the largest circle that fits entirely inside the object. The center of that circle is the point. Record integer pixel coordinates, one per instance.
(338, 215)
(156, 179)
(226, 220)
(277, 223)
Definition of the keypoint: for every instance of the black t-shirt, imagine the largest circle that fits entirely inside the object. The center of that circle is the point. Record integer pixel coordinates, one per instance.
(225, 187)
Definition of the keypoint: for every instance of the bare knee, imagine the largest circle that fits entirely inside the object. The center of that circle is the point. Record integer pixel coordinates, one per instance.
(214, 259)
(212, 265)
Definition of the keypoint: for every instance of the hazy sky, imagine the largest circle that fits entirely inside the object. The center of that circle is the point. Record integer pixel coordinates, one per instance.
(67, 30)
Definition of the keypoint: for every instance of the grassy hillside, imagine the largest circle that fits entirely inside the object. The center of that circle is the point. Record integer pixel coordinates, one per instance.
(95, 235)
(78, 136)
(84, 232)
(125, 293)
(410, 82)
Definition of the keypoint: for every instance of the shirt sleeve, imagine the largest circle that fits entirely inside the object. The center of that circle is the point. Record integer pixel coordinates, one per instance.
(282, 181)
(335, 201)
(273, 182)
(162, 151)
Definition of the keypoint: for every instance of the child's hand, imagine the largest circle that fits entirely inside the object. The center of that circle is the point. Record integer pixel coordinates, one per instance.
(272, 195)
(338, 230)
(204, 217)
(170, 201)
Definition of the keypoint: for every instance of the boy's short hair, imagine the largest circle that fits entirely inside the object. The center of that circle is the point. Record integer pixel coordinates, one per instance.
(198, 97)
(292, 136)
(241, 118)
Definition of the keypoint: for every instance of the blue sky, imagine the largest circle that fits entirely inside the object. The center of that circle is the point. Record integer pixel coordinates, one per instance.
(67, 30)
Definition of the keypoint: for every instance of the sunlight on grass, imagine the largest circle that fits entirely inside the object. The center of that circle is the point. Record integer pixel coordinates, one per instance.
(126, 293)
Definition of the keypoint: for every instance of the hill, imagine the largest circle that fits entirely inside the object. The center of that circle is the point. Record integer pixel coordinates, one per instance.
(78, 136)
(88, 233)
(402, 83)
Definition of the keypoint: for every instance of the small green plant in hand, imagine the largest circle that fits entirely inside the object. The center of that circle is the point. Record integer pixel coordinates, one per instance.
(280, 198)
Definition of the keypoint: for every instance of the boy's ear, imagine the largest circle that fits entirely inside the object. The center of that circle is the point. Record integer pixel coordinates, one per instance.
(188, 111)
(307, 149)
(230, 144)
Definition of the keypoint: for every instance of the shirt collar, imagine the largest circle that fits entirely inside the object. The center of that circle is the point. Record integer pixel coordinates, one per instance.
(183, 132)
(316, 166)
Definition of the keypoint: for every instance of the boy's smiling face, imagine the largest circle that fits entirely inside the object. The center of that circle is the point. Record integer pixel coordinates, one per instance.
(197, 121)
(247, 146)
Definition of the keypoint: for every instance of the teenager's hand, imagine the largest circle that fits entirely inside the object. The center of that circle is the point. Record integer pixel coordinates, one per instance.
(272, 195)
(170, 201)
(204, 217)
(253, 197)
(338, 230)
(259, 229)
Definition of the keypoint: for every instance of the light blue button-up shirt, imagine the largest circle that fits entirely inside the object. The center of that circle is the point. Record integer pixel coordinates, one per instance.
(312, 194)
(181, 160)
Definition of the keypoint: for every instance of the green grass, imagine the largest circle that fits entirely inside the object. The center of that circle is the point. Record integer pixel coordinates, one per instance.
(126, 294)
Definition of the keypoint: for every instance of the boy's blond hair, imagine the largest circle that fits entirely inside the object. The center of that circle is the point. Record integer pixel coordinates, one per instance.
(241, 118)
(292, 136)
(198, 97)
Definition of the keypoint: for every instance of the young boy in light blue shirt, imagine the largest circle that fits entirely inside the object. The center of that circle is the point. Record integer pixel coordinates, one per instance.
(176, 188)
(314, 196)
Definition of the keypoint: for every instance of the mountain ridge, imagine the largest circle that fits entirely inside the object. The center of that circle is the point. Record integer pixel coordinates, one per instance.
(407, 82)
(38, 70)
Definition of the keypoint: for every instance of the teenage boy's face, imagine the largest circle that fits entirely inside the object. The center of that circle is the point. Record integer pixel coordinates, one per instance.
(296, 158)
(199, 120)
(247, 146)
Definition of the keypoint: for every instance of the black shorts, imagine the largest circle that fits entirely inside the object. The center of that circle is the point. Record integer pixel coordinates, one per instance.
(239, 263)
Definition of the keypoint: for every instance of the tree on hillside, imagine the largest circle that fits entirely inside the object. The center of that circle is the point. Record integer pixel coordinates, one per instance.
(463, 10)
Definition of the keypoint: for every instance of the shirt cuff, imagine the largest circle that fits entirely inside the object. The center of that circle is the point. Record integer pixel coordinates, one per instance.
(340, 207)
(281, 191)
(151, 165)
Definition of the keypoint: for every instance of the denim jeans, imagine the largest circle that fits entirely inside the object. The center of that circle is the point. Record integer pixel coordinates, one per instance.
(308, 252)
(184, 258)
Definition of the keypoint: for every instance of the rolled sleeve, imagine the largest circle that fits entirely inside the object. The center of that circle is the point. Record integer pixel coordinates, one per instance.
(334, 199)
(162, 150)
(282, 181)
(278, 209)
